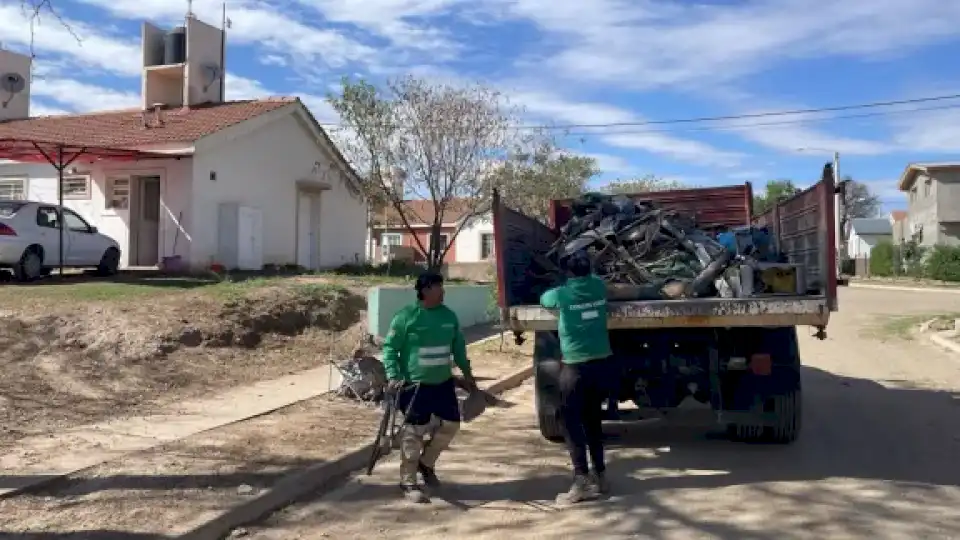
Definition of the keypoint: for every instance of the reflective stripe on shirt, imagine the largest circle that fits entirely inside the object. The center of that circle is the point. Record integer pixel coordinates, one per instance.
(434, 356)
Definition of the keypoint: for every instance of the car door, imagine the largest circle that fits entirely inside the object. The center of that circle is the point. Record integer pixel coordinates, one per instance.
(48, 232)
(84, 245)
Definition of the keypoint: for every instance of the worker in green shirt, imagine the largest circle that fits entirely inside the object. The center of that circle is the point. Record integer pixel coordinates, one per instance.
(587, 375)
(417, 358)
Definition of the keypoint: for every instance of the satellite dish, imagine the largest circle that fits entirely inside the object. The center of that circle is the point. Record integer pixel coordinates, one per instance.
(11, 84)
(211, 74)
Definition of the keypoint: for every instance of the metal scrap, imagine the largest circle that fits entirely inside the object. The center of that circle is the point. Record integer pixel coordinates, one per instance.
(645, 252)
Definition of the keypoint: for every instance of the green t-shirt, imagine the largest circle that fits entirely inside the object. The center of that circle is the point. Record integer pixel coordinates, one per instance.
(582, 303)
(420, 343)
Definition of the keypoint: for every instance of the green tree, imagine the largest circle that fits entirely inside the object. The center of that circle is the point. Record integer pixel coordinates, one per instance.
(775, 191)
(882, 259)
(643, 184)
(530, 179)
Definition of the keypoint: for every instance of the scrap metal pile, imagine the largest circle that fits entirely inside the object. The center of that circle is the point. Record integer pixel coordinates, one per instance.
(645, 252)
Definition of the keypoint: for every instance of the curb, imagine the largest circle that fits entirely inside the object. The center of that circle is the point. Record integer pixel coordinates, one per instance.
(855, 285)
(945, 343)
(314, 478)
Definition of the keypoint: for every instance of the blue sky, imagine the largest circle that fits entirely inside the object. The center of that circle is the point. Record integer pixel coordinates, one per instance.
(574, 62)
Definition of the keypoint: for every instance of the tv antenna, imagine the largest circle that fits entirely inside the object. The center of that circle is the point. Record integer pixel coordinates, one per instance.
(11, 84)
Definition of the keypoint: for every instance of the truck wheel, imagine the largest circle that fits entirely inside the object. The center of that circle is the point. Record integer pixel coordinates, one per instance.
(546, 381)
(789, 411)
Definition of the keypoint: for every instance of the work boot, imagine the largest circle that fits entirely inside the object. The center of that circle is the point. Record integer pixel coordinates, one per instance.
(581, 490)
(414, 494)
(600, 482)
(429, 476)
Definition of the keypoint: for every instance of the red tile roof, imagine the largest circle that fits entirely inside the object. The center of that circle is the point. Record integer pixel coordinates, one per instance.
(132, 128)
(422, 211)
(898, 215)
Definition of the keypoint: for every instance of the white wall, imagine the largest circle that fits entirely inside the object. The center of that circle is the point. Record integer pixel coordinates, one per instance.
(468, 243)
(861, 246)
(174, 198)
(257, 164)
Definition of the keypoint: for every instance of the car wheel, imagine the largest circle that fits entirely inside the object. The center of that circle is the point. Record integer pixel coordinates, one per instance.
(109, 263)
(30, 266)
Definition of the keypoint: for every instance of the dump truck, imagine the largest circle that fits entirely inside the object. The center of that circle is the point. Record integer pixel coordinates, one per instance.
(728, 362)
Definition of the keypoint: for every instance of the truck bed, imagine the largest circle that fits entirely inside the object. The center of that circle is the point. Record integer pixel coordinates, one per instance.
(812, 310)
(802, 228)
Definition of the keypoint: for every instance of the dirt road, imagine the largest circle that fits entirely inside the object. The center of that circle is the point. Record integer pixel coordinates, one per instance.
(878, 459)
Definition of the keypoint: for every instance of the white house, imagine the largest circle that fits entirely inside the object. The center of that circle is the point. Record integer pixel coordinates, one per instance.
(239, 183)
(865, 233)
(473, 242)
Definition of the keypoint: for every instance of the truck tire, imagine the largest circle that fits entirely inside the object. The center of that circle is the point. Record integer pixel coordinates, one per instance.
(789, 411)
(546, 382)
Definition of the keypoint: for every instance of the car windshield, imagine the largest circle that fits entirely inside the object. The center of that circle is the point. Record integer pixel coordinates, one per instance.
(10, 208)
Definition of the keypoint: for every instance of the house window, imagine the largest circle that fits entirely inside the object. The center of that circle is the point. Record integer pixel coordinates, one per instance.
(913, 194)
(391, 239)
(443, 243)
(76, 187)
(486, 246)
(14, 189)
(926, 188)
(118, 193)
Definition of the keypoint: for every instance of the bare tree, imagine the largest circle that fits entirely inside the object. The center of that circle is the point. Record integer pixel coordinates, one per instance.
(38, 11)
(643, 184)
(443, 141)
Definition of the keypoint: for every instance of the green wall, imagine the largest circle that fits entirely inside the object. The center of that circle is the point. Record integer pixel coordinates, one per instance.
(471, 303)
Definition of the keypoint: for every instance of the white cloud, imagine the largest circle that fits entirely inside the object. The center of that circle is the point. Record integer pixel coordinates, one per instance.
(77, 96)
(929, 131)
(553, 107)
(647, 43)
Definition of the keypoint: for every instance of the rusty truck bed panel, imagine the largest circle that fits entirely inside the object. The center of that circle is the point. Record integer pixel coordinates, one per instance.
(701, 312)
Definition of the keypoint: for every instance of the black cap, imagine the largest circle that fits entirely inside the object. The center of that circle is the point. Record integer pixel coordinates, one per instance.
(427, 279)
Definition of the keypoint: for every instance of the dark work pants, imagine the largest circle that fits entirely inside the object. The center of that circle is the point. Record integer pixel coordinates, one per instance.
(583, 389)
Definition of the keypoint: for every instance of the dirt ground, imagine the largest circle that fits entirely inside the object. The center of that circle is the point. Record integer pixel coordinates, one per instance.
(877, 459)
(174, 488)
(77, 353)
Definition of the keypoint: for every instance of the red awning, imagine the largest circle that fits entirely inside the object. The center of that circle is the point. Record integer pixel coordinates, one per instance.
(61, 153)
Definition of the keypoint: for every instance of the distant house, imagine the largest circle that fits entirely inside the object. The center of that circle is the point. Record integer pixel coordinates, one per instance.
(474, 242)
(901, 226)
(933, 191)
(864, 234)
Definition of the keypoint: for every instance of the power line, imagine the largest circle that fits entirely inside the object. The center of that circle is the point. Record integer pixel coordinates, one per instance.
(702, 119)
(753, 125)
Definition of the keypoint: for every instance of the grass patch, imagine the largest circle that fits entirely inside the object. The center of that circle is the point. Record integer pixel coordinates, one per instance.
(904, 326)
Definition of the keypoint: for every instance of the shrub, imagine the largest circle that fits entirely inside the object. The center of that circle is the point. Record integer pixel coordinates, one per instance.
(882, 259)
(943, 263)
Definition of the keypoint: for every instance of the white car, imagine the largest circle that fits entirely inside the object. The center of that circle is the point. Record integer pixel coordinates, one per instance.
(30, 241)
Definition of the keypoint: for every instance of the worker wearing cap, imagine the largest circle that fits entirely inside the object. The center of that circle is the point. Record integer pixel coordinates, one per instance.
(418, 348)
(587, 374)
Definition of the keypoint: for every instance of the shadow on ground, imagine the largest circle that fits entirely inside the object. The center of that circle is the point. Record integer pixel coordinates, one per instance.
(873, 461)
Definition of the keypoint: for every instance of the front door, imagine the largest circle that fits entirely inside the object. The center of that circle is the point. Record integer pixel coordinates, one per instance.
(145, 223)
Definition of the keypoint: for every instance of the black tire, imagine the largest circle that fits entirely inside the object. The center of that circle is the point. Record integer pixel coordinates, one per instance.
(546, 380)
(30, 267)
(789, 411)
(109, 263)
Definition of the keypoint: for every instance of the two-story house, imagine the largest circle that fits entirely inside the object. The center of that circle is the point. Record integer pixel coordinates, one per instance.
(933, 192)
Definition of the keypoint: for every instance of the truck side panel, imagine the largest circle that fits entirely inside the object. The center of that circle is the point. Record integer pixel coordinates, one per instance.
(714, 207)
(803, 226)
(516, 238)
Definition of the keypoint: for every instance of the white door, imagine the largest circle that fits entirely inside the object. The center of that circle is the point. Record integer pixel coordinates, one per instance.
(315, 231)
(250, 238)
(304, 238)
